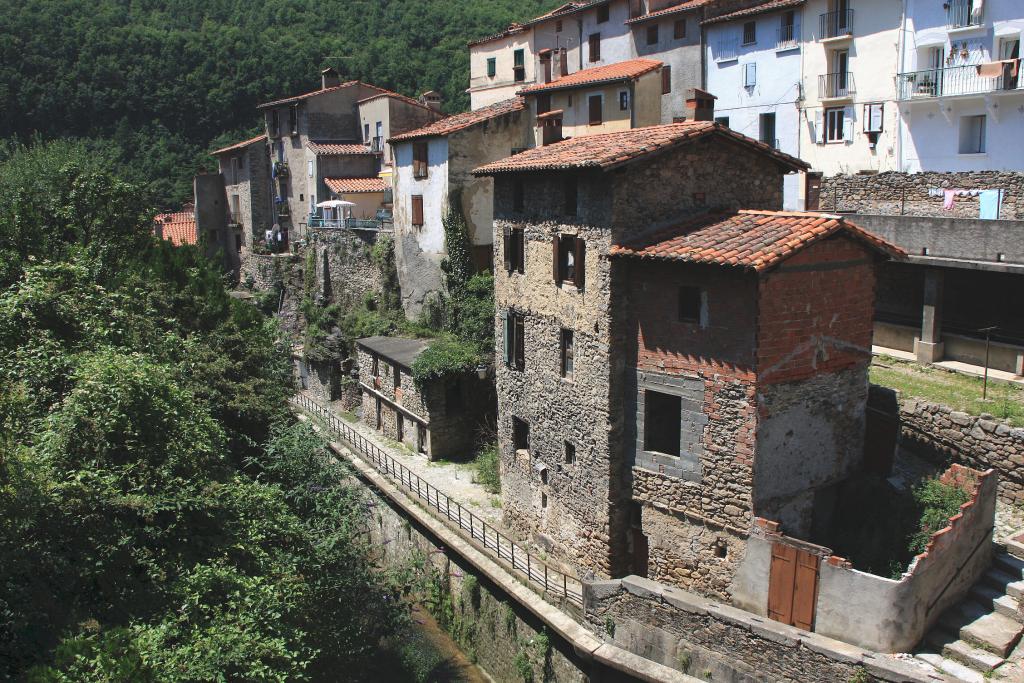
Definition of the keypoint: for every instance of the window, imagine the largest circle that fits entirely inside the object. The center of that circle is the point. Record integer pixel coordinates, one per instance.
(366, 133)
(666, 79)
(750, 75)
(624, 100)
(750, 33)
(514, 250)
(568, 259)
(396, 376)
(662, 418)
(567, 354)
(724, 120)
(543, 103)
(689, 304)
(787, 28)
(309, 168)
(652, 34)
(417, 210)
(602, 14)
(558, 26)
(399, 426)
(570, 454)
(835, 124)
(767, 129)
(376, 366)
(594, 43)
(238, 243)
(302, 197)
(520, 434)
(544, 480)
(515, 339)
(275, 123)
(594, 102)
(972, 134)
(419, 160)
(519, 65)
(293, 119)
(569, 195)
(492, 67)
(873, 117)
(679, 29)
(518, 195)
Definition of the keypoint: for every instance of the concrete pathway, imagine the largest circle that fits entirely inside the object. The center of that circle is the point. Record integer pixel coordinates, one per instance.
(954, 365)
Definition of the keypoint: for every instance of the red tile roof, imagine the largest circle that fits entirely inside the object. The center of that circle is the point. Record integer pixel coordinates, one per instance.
(565, 10)
(355, 185)
(681, 7)
(610, 73)
(179, 227)
(457, 122)
(240, 145)
(758, 240)
(769, 6)
(399, 97)
(609, 150)
(329, 148)
(512, 30)
(314, 93)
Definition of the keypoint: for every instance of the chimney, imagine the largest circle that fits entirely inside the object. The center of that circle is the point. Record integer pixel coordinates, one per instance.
(545, 65)
(329, 78)
(702, 103)
(431, 99)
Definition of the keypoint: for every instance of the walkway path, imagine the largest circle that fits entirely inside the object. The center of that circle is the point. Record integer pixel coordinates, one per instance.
(955, 365)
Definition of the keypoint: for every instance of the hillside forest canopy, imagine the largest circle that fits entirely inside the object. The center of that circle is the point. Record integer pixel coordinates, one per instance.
(153, 85)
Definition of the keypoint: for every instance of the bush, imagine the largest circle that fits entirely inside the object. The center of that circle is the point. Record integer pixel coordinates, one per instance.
(937, 503)
(488, 469)
(445, 357)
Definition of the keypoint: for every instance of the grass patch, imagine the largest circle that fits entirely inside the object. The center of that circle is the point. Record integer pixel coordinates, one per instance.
(488, 470)
(953, 389)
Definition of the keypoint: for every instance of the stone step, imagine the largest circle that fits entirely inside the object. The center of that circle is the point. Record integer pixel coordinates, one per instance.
(1014, 566)
(951, 667)
(1015, 547)
(1015, 589)
(1008, 607)
(997, 579)
(939, 637)
(993, 632)
(971, 656)
(985, 594)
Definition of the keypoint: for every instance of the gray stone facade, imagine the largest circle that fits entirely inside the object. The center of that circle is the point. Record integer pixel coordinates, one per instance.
(345, 270)
(246, 173)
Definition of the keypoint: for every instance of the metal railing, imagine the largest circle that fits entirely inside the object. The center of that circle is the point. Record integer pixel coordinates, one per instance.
(726, 50)
(524, 565)
(835, 85)
(954, 80)
(785, 37)
(344, 223)
(377, 144)
(961, 13)
(835, 24)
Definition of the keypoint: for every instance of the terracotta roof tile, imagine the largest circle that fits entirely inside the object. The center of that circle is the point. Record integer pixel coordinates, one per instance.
(240, 145)
(608, 150)
(758, 240)
(397, 96)
(565, 10)
(769, 6)
(329, 148)
(354, 185)
(620, 71)
(675, 9)
(314, 93)
(179, 227)
(457, 122)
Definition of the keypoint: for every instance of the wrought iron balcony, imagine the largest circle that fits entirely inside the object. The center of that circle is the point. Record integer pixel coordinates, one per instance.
(835, 24)
(786, 37)
(344, 223)
(836, 86)
(963, 13)
(955, 80)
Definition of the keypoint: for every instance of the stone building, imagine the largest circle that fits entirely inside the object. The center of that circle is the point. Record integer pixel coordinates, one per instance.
(433, 167)
(245, 168)
(564, 417)
(440, 419)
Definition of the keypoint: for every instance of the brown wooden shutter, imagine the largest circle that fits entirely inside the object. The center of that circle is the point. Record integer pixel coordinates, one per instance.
(595, 109)
(555, 271)
(595, 47)
(806, 590)
(780, 583)
(417, 209)
(507, 246)
(666, 79)
(581, 255)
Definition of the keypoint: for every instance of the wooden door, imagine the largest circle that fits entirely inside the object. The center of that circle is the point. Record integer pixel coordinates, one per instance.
(793, 586)
(812, 195)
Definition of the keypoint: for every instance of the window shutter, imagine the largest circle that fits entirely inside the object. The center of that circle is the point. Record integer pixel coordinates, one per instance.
(581, 254)
(505, 322)
(554, 258)
(750, 74)
(666, 79)
(506, 233)
(594, 103)
(819, 127)
(417, 209)
(848, 125)
(520, 331)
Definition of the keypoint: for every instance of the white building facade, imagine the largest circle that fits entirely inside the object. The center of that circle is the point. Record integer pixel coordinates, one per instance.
(960, 90)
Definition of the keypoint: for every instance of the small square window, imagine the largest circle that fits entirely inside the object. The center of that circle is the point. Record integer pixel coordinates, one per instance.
(624, 100)
(570, 454)
(689, 304)
(972, 134)
(679, 29)
(568, 352)
(602, 14)
(724, 120)
(520, 434)
(750, 33)
(652, 34)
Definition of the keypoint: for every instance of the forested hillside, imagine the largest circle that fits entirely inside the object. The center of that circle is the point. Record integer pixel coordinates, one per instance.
(159, 82)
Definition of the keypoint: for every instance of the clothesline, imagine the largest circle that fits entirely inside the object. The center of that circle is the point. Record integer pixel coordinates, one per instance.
(941, 192)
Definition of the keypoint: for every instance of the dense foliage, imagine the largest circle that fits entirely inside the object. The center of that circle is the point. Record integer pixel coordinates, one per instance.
(161, 516)
(159, 83)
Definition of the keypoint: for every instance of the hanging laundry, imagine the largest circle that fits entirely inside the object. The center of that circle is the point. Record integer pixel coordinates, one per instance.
(989, 204)
(990, 69)
(935, 192)
(949, 197)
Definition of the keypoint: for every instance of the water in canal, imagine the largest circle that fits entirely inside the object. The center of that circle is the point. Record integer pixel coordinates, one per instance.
(425, 654)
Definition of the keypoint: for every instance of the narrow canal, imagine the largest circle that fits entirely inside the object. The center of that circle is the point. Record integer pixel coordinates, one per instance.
(425, 654)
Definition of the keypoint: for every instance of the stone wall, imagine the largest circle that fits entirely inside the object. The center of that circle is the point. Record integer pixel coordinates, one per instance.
(278, 273)
(345, 270)
(716, 642)
(944, 434)
(897, 194)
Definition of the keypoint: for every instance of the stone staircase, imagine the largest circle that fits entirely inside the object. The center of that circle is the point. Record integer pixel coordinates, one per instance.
(972, 639)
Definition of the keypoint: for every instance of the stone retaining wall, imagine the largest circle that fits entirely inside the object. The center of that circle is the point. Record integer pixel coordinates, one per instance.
(941, 433)
(896, 194)
(277, 272)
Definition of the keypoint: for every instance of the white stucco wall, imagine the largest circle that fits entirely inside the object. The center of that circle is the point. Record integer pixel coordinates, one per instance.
(776, 89)
(484, 90)
(433, 188)
(873, 59)
(930, 126)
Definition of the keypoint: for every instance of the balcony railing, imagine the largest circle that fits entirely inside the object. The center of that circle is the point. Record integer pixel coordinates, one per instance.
(727, 50)
(786, 37)
(961, 13)
(835, 24)
(344, 223)
(836, 85)
(954, 80)
(377, 145)
(519, 73)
